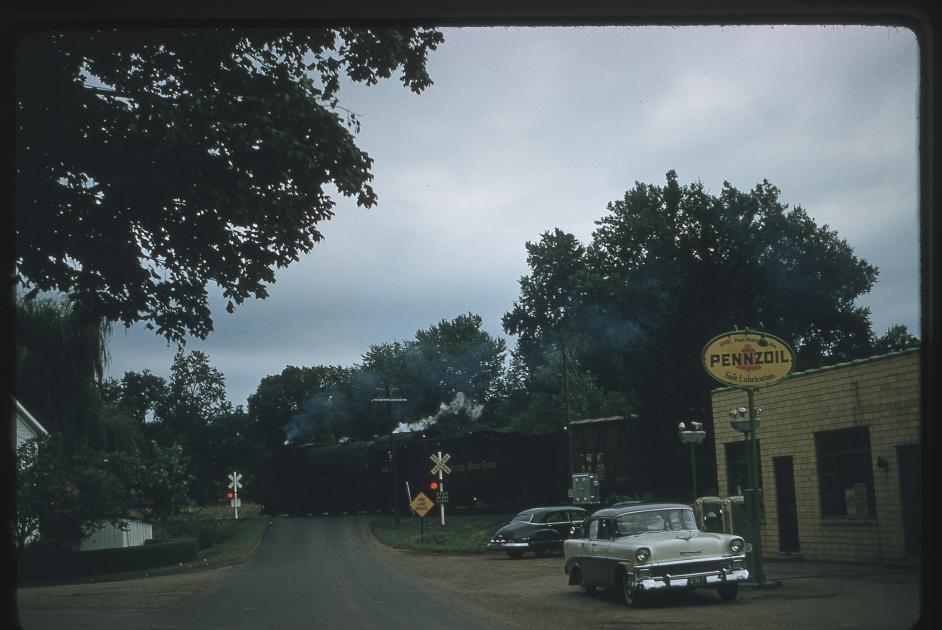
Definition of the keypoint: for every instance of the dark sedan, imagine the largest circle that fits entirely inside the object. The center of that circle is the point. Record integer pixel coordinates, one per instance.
(540, 530)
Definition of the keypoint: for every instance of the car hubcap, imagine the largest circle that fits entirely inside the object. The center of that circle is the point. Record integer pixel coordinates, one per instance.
(628, 587)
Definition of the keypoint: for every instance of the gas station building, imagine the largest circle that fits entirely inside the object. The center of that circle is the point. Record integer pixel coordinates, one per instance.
(840, 460)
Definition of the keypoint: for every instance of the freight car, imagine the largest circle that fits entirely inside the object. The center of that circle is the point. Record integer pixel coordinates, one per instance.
(488, 470)
(609, 449)
(627, 457)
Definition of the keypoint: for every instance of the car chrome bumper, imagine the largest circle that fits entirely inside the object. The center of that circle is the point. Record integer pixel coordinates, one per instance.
(503, 545)
(690, 580)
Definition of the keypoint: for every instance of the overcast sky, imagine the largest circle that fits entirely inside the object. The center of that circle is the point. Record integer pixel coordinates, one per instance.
(527, 129)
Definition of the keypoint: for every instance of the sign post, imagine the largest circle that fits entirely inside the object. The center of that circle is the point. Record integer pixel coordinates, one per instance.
(235, 482)
(750, 359)
(421, 504)
(440, 469)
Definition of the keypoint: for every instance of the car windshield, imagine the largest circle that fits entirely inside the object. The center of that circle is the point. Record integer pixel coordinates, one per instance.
(666, 520)
(521, 518)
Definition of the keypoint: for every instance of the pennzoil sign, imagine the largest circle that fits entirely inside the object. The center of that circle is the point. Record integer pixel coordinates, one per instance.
(748, 359)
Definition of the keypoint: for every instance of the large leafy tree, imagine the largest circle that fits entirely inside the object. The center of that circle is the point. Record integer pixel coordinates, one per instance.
(141, 395)
(300, 402)
(537, 398)
(547, 321)
(549, 295)
(194, 415)
(671, 266)
(896, 338)
(430, 370)
(61, 354)
(151, 163)
(459, 356)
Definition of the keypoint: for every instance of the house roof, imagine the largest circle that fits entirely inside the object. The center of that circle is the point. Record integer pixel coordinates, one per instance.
(26, 417)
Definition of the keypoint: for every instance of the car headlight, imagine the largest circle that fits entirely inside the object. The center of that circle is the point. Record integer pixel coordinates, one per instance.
(642, 554)
(735, 545)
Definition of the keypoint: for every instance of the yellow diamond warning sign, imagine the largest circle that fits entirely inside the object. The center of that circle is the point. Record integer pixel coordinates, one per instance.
(421, 504)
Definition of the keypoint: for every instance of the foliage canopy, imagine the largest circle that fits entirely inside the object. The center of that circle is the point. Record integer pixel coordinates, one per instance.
(150, 164)
(671, 266)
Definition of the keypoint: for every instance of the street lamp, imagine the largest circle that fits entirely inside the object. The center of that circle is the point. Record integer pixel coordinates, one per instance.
(746, 420)
(692, 436)
(739, 419)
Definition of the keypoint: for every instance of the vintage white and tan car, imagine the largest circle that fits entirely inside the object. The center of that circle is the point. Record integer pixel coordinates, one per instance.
(649, 547)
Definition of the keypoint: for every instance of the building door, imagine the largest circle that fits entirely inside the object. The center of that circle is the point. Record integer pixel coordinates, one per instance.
(909, 457)
(787, 507)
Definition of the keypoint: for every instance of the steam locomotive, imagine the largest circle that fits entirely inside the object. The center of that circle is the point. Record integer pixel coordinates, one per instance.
(488, 469)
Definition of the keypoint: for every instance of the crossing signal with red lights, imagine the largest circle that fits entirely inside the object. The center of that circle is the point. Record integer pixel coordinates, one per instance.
(433, 486)
(229, 495)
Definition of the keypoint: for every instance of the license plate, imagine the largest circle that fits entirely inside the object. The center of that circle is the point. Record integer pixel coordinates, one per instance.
(696, 580)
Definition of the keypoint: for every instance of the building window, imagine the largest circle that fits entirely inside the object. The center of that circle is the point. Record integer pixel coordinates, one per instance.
(737, 467)
(845, 477)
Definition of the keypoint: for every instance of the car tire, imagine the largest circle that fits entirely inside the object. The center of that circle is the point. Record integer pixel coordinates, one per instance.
(577, 578)
(630, 593)
(728, 592)
(515, 554)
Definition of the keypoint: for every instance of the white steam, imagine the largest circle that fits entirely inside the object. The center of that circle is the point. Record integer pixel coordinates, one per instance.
(460, 404)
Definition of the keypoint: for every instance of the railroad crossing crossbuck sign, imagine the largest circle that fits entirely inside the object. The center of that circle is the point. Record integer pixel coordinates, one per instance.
(235, 480)
(439, 461)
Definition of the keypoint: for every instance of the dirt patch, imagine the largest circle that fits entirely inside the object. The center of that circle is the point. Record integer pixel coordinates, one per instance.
(533, 593)
(159, 592)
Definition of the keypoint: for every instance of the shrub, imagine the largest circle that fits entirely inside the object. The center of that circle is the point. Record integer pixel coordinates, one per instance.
(40, 564)
(207, 532)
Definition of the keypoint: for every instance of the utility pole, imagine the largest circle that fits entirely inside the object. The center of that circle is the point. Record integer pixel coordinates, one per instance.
(388, 399)
(562, 344)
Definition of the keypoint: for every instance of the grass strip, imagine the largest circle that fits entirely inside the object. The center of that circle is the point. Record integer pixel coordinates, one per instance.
(246, 538)
(461, 533)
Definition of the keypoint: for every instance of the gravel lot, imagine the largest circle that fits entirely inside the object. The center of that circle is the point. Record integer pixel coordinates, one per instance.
(532, 593)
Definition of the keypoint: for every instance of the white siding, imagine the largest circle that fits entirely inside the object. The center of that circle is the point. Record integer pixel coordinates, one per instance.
(108, 536)
(23, 431)
(27, 426)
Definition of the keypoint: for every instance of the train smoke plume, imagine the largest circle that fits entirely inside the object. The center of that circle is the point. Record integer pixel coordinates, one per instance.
(459, 406)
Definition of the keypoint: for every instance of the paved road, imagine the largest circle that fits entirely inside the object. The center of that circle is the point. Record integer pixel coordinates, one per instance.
(308, 573)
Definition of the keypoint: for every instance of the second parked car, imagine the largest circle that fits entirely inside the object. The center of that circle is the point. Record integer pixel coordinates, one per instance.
(651, 547)
(540, 530)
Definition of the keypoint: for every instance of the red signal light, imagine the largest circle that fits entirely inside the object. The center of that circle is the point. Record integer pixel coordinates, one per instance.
(229, 495)
(433, 485)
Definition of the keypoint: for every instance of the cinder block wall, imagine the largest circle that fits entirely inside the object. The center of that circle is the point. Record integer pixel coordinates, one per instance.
(882, 393)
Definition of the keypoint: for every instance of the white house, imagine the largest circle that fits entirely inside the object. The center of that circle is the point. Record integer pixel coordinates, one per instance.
(27, 427)
(105, 537)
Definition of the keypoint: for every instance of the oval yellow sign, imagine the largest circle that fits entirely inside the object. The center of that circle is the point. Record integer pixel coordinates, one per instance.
(748, 359)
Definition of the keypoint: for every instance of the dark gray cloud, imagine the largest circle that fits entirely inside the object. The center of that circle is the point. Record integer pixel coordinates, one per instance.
(527, 129)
